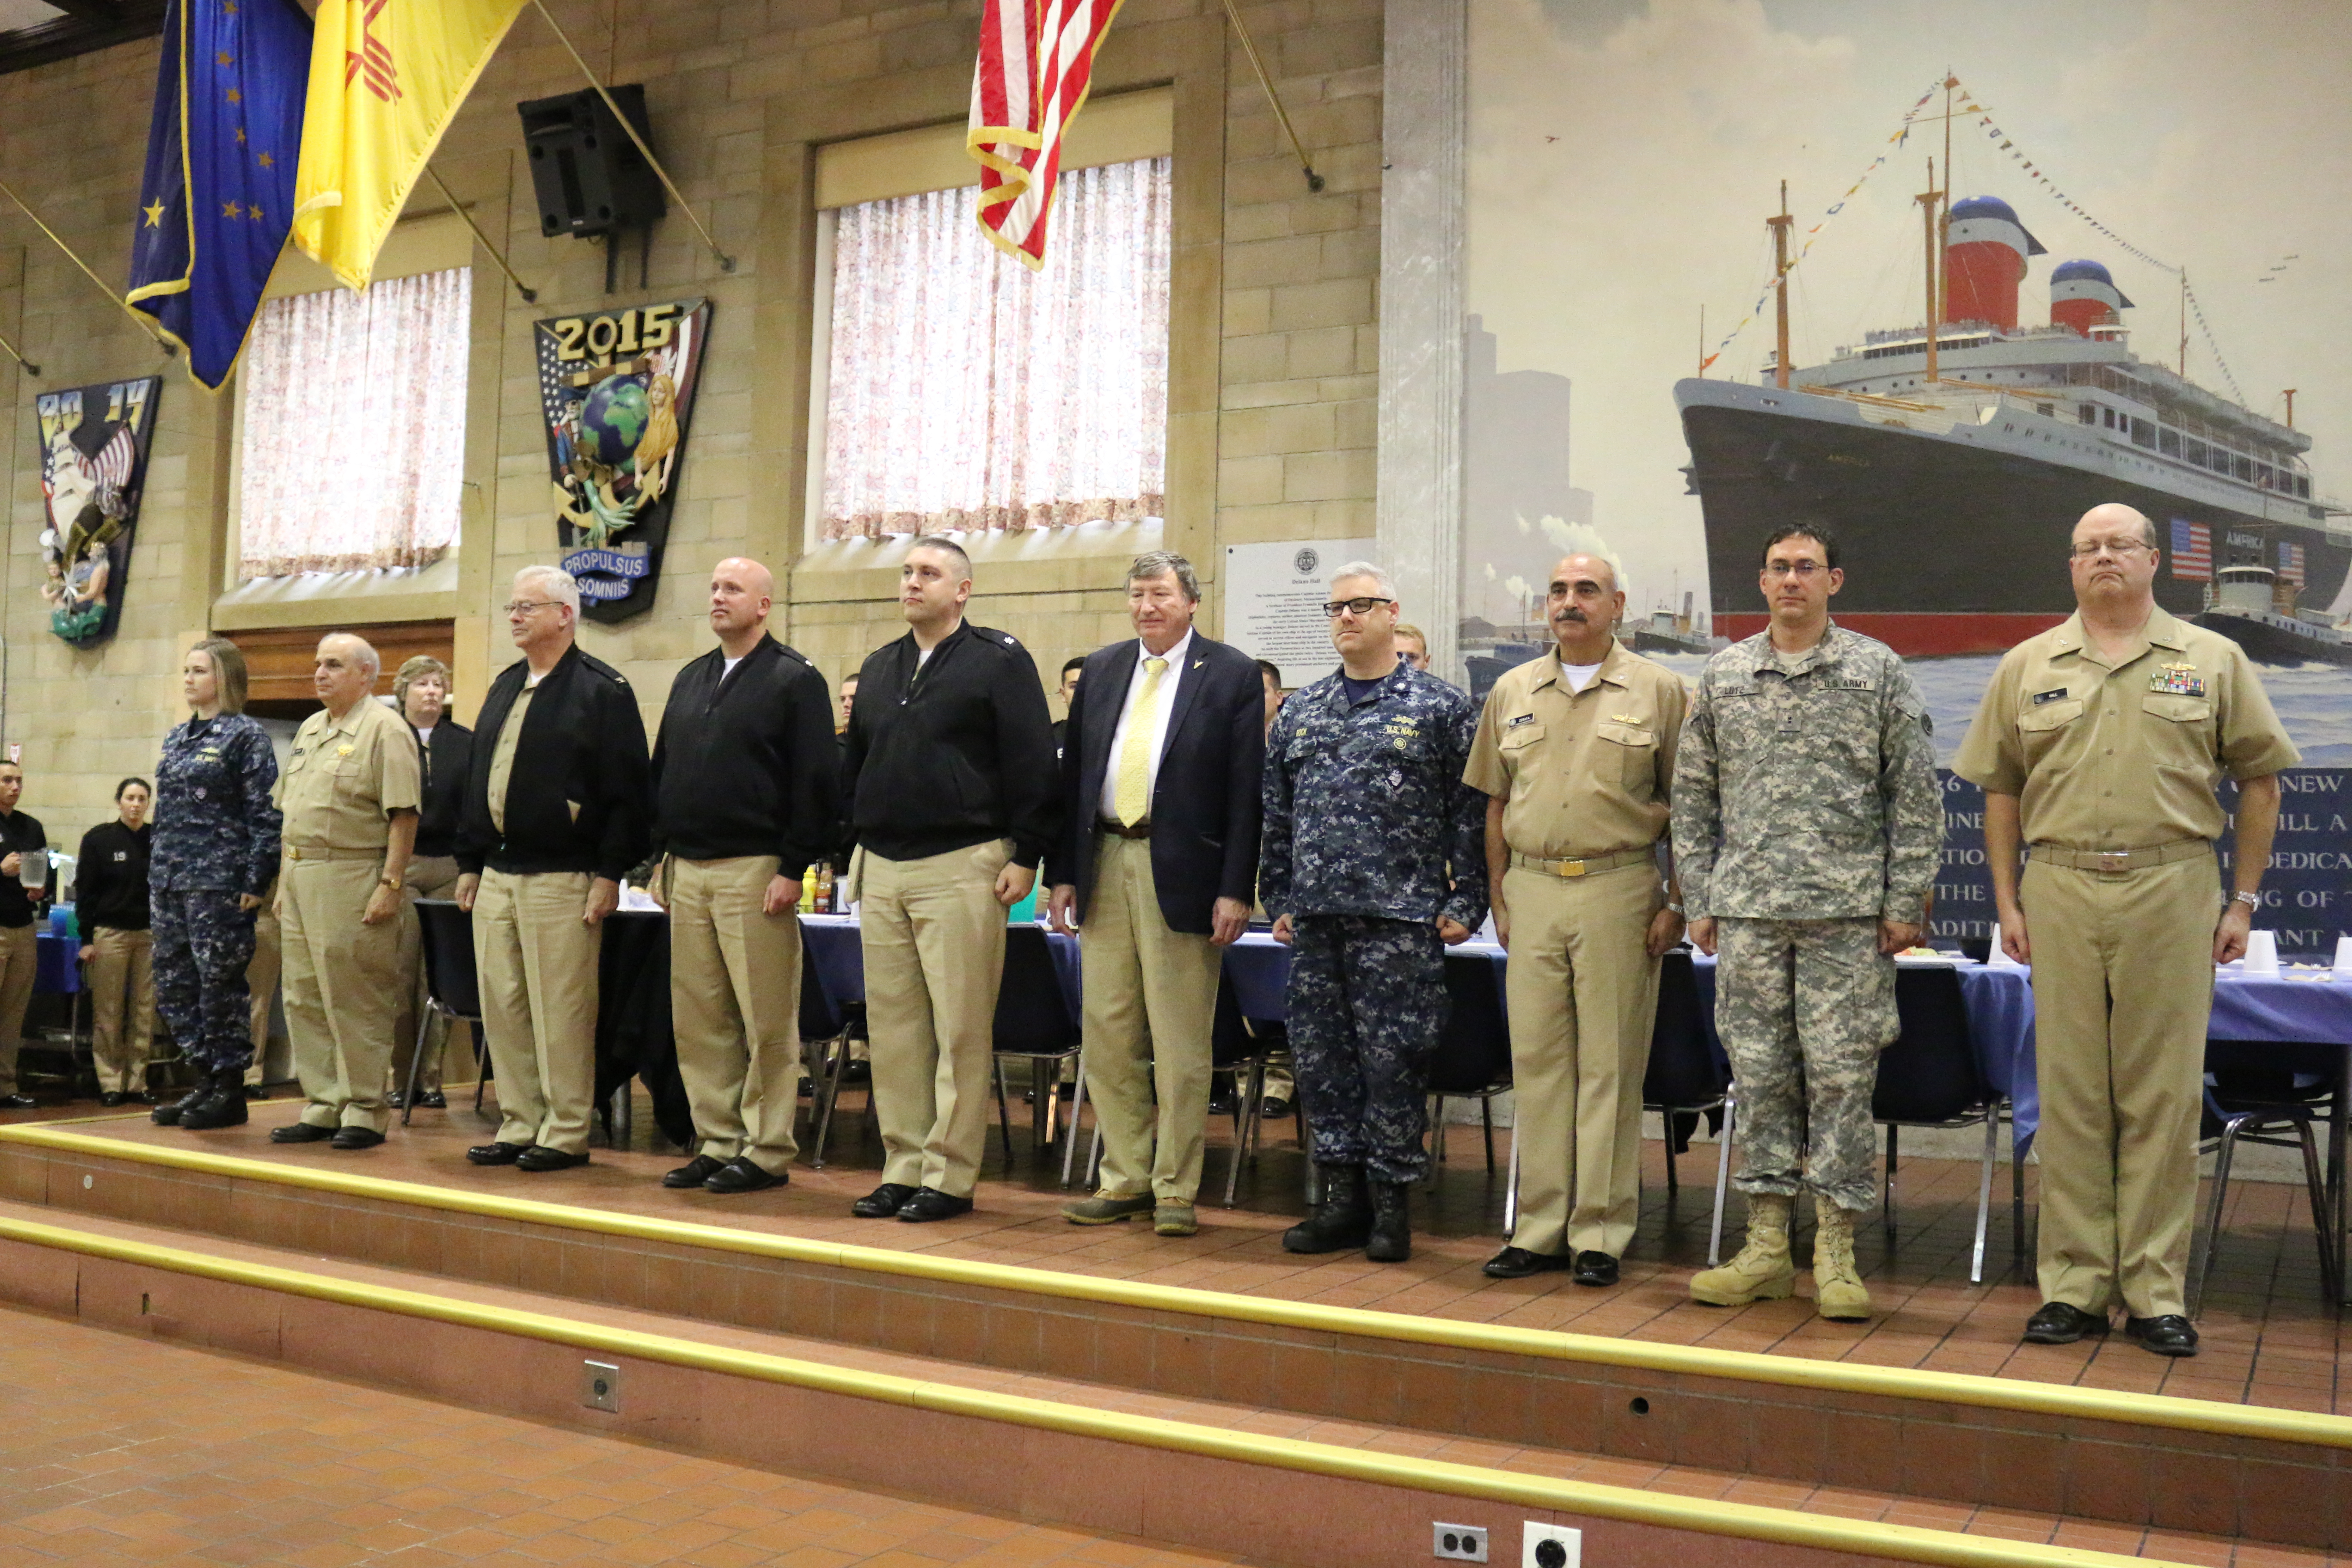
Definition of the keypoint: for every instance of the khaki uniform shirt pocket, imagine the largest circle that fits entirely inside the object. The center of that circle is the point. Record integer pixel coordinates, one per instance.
(1637, 751)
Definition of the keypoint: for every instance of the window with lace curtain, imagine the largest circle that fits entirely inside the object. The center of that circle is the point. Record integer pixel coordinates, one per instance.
(966, 392)
(354, 442)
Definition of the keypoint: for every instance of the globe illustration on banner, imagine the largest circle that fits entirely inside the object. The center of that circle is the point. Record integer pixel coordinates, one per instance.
(615, 417)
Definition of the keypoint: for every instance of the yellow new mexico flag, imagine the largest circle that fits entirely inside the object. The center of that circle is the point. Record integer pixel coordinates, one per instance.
(385, 78)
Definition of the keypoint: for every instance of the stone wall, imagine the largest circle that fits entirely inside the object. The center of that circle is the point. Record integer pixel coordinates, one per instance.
(1273, 346)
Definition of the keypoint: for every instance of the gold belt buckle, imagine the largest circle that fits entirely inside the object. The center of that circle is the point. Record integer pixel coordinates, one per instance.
(2114, 861)
(1571, 868)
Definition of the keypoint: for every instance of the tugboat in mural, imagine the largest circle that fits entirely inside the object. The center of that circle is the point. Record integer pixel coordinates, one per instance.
(1952, 464)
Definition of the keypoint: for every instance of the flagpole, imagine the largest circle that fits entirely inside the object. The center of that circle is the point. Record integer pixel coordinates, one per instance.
(1314, 180)
(530, 296)
(147, 325)
(726, 262)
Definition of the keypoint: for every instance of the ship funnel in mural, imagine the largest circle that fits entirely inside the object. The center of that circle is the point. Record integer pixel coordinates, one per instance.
(1984, 261)
(2083, 295)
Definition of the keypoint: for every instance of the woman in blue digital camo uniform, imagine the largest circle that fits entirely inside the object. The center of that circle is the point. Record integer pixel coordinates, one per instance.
(214, 853)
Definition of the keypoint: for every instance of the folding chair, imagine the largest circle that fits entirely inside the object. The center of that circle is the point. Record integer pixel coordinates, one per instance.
(451, 991)
(1930, 1078)
(1033, 1022)
(2251, 1096)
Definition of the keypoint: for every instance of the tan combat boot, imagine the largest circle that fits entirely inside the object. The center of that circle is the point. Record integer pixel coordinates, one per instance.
(1838, 1290)
(1762, 1271)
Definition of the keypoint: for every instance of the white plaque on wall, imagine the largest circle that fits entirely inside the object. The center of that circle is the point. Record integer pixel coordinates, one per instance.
(1274, 602)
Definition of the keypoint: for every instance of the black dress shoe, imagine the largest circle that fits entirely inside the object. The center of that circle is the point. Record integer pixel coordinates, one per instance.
(930, 1204)
(740, 1175)
(693, 1174)
(300, 1132)
(17, 1102)
(255, 1091)
(540, 1157)
(431, 1100)
(1275, 1109)
(495, 1153)
(883, 1202)
(1595, 1268)
(1518, 1263)
(112, 1097)
(2170, 1335)
(2062, 1323)
(356, 1138)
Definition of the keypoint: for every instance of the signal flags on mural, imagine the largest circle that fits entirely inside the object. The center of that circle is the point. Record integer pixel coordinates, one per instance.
(2193, 551)
(385, 81)
(1036, 64)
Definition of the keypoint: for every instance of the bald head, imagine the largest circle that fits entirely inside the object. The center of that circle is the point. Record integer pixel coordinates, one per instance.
(2113, 518)
(2113, 563)
(742, 592)
(343, 671)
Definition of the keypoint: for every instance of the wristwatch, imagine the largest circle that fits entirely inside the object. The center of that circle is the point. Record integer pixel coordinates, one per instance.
(395, 883)
(2252, 901)
(1677, 908)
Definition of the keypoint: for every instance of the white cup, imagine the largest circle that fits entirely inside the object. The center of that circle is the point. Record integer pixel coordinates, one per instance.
(2261, 952)
(2344, 955)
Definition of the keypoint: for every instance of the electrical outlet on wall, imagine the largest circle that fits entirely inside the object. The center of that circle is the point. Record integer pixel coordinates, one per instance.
(1552, 1546)
(1458, 1542)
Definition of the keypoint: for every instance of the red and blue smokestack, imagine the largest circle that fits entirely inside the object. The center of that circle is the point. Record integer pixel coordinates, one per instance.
(2084, 295)
(1985, 250)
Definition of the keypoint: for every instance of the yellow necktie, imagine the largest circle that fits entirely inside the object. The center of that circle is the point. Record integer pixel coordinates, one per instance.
(1133, 797)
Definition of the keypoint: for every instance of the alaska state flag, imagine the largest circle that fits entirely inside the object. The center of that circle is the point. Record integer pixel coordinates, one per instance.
(218, 195)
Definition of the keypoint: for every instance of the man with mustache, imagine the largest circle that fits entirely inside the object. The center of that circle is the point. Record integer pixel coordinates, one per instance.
(1808, 827)
(2098, 744)
(1576, 755)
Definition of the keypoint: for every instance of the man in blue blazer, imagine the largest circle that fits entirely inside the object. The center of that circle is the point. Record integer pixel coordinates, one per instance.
(1158, 860)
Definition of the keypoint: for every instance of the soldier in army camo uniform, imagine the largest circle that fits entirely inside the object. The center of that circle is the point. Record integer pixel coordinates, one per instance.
(1374, 859)
(1807, 826)
(214, 854)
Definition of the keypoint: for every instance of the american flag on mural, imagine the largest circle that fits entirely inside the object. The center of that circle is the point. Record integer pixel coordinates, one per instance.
(2193, 551)
(1036, 62)
(2290, 567)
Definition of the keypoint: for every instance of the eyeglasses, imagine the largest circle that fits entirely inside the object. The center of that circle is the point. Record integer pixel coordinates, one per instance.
(525, 606)
(2090, 548)
(1333, 610)
(1803, 569)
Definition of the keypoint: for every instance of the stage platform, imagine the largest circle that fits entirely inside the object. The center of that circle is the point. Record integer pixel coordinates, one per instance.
(1343, 1406)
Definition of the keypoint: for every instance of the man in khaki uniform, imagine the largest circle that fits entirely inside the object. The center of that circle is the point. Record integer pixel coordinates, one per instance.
(350, 795)
(1576, 750)
(743, 779)
(949, 778)
(2099, 743)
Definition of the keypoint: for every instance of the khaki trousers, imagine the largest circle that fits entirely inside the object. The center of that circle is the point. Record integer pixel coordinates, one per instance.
(933, 937)
(19, 957)
(1583, 995)
(2122, 989)
(536, 961)
(432, 877)
(735, 1007)
(340, 981)
(262, 985)
(122, 1008)
(1151, 1000)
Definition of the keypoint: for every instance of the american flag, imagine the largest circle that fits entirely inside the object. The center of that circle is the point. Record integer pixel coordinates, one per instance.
(2193, 551)
(2290, 567)
(1036, 62)
(112, 465)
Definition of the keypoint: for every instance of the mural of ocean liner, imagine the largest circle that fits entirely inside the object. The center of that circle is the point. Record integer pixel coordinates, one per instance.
(1952, 463)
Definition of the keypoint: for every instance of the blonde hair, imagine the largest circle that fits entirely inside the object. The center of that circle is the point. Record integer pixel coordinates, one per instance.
(228, 671)
(414, 670)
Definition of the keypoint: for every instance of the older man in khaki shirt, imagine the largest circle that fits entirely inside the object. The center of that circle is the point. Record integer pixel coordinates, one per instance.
(350, 794)
(2099, 743)
(1577, 751)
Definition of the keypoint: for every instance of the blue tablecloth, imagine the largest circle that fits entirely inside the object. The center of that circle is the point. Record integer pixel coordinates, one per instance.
(1258, 969)
(55, 963)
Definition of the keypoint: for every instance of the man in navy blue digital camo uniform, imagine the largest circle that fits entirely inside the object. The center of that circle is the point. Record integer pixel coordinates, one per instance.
(1374, 861)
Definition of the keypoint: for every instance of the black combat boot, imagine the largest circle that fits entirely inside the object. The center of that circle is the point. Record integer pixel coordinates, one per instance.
(1341, 1221)
(1391, 1240)
(169, 1113)
(222, 1106)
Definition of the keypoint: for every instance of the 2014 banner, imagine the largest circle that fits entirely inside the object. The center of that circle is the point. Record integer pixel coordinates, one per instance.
(616, 390)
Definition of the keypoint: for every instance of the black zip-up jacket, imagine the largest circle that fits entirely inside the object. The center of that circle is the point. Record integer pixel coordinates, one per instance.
(953, 755)
(111, 877)
(746, 762)
(577, 799)
(446, 762)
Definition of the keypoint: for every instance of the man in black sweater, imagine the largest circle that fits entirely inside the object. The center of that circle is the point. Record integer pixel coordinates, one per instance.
(555, 814)
(744, 774)
(951, 783)
(19, 947)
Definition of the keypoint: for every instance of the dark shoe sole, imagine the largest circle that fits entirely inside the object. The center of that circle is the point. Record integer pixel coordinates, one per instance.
(543, 1166)
(1314, 1246)
(300, 1132)
(737, 1188)
(345, 1141)
(474, 1157)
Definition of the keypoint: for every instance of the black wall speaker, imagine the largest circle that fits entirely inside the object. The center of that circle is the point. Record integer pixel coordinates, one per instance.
(589, 176)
